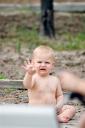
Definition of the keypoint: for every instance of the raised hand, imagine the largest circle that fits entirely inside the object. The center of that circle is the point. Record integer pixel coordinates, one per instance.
(28, 66)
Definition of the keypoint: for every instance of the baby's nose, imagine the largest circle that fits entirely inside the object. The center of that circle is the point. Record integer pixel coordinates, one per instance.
(43, 64)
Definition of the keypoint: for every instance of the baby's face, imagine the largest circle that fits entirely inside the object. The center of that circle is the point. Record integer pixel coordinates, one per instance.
(43, 64)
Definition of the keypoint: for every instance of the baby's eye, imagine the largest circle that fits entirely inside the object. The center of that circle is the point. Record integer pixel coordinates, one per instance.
(47, 62)
(39, 62)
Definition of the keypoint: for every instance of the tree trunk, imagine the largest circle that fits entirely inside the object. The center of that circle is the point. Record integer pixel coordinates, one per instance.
(47, 18)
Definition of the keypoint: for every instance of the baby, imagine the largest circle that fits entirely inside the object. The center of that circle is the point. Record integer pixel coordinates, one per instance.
(43, 87)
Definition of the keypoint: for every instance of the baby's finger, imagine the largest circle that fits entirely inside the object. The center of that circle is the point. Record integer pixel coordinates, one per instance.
(24, 67)
(25, 63)
(28, 61)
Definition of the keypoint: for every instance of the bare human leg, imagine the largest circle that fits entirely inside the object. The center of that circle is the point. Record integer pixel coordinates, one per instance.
(66, 113)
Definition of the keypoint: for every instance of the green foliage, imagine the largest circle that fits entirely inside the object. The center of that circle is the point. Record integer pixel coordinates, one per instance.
(2, 76)
(76, 42)
(31, 37)
(18, 46)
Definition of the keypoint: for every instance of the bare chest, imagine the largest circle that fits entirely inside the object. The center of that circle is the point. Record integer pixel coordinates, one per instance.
(45, 86)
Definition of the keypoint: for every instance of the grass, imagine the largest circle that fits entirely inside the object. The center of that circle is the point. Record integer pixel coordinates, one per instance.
(23, 35)
(31, 39)
(2, 76)
(68, 42)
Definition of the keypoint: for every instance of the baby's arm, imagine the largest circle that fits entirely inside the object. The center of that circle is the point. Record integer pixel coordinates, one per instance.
(28, 80)
(59, 96)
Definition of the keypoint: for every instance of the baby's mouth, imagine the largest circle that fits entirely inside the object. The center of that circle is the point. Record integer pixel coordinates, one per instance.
(42, 69)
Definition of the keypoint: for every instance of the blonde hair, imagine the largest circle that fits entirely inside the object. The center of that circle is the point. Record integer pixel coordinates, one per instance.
(44, 50)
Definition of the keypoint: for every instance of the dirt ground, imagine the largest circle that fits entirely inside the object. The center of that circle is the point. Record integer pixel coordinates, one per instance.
(12, 96)
(11, 62)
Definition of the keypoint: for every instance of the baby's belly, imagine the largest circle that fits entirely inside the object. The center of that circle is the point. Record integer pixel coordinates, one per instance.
(42, 99)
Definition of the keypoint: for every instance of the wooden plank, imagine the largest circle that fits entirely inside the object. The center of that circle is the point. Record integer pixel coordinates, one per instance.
(59, 7)
(70, 7)
(11, 84)
(36, 1)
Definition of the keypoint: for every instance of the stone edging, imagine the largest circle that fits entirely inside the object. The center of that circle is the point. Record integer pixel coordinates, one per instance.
(11, 83)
